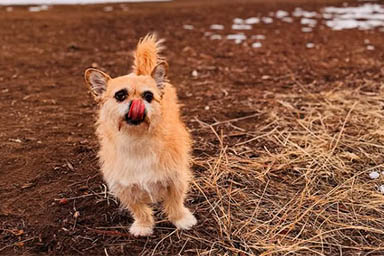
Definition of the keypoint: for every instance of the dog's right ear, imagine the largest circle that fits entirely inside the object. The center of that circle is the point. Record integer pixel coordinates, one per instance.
(97, 81)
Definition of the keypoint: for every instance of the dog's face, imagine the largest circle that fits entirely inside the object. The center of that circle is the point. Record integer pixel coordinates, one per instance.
(131, 102)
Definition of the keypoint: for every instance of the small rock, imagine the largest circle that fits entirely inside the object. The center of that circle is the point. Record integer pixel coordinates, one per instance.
(76, 214)
(381, 189)
(265, 77)
(206, 107)
(194, 73)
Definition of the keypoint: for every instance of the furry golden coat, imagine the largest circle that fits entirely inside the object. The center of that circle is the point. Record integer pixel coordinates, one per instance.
(144, 145)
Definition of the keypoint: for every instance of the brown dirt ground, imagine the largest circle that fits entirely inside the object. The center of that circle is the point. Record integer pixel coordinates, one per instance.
(47, 142)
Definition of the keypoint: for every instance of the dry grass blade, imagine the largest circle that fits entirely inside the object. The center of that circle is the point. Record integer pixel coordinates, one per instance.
(308, 192)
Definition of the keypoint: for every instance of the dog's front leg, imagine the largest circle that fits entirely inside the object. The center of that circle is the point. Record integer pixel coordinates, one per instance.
(141, 212)
(174, 207)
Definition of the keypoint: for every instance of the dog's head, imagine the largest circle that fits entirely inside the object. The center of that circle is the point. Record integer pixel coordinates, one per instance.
(132, 101)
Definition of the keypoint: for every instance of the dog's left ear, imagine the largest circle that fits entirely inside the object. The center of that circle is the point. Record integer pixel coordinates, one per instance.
(159, 73)
(97, 81)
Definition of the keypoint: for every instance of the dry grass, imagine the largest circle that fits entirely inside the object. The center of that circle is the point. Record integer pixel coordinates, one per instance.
(299, 184)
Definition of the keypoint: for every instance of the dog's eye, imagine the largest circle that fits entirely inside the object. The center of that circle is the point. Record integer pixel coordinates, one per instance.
(121, 95)
(148, 96)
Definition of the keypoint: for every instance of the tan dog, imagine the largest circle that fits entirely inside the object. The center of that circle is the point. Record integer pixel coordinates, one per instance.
(144, 146)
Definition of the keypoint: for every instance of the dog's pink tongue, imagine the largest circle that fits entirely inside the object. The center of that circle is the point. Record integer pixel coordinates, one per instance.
(137, 110)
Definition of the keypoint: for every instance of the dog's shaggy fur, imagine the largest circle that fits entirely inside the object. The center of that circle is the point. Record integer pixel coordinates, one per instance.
(148, 161)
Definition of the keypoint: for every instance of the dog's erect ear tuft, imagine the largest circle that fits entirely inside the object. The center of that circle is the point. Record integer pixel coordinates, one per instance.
(159, 73)
(97, 81)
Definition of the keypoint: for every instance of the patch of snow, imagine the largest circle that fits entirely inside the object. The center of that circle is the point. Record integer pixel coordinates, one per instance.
(310, 45)
(252, 20)
(241, 27)
(370, 47)
(237, 37)
(188, 27)
(38, 8)
(267, 20)
(238, 21)
(287, 19)
(216, 27)
(281, 14)
(309, 22)
(363, 17)
(299, 12)
(256, 45)
(258, 37)
(374, 175)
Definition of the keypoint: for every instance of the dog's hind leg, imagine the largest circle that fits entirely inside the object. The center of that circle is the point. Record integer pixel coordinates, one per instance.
(174, 207)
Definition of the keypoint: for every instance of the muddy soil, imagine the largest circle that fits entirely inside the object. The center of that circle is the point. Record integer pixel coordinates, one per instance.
(47, 143)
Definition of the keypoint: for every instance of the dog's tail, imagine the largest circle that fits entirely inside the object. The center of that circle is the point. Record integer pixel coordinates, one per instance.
(147, 55)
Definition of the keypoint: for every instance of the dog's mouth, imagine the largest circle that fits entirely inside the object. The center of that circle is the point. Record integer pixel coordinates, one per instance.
(136, 114)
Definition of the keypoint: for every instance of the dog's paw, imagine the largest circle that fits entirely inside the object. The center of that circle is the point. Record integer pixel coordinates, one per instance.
(186, 222)
(138, 229)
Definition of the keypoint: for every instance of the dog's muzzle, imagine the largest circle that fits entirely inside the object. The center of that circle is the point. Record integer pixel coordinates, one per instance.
(136, 113)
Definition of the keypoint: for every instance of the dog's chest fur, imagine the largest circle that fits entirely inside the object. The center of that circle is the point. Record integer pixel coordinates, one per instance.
(135, 163)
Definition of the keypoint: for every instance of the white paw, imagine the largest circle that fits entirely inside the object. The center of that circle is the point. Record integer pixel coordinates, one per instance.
(140, 230)
(186, 222)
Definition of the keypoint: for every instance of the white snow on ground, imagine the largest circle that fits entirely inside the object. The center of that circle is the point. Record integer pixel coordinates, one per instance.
(241, 27)
(216, 27)
(53, 2)
(237, 37)
(252, 20)
(256, 45)
(188, 27)
(366, 16)
(374, 175)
